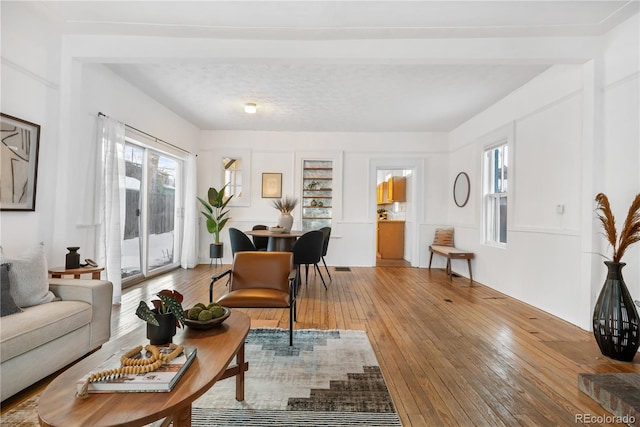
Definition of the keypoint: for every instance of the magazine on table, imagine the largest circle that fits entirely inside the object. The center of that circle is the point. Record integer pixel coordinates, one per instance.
(162, 379)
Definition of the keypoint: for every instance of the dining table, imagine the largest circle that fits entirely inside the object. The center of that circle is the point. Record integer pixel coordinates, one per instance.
(278, 241)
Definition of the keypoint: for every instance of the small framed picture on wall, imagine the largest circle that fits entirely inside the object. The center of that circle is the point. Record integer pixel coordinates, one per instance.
(271, 185)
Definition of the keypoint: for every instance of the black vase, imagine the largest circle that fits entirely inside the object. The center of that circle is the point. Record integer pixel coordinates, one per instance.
(164, 333)
(615, 318)
(72, 259)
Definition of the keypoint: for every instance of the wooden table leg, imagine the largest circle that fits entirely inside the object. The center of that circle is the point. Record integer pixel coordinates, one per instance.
(470, 273)
(182, 418)
(430, 259)
(240, 376)
(96, 275)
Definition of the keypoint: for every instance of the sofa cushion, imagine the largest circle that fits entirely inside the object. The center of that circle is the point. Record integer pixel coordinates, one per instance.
(7, 304)
(40, 324)
(29, 278)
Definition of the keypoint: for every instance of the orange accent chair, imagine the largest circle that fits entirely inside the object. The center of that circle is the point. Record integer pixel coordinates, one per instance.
(259, 279)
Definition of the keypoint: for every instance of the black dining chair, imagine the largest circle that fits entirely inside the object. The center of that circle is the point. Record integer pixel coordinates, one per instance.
(240, 242)
(259, 242)
(326, 234)
(307, 250)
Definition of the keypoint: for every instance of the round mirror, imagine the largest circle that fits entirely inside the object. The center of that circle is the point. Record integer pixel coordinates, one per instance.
(461, 187)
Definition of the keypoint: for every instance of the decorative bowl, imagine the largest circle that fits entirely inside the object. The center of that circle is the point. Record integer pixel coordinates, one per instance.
(276, 230)
(208, 324)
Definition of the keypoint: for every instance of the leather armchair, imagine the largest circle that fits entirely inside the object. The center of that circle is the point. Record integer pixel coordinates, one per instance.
(260, 279)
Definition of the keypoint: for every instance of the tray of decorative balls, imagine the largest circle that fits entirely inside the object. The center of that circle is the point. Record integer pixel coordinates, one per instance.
(202, 316)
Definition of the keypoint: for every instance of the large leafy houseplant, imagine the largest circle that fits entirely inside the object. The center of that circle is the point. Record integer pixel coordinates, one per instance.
(215, 212)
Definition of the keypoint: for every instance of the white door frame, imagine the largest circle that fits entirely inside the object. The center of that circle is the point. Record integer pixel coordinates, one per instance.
(416, 208)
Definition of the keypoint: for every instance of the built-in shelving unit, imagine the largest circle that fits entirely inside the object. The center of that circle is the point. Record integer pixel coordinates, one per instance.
(317, 194)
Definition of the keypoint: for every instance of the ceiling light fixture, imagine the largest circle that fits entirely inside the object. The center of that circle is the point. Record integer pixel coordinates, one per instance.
(250, 108)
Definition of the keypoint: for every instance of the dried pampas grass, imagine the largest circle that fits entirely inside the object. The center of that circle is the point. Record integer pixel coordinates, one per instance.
(630, 231)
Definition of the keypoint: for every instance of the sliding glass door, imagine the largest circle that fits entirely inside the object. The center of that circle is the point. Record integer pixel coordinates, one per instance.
(152, 232)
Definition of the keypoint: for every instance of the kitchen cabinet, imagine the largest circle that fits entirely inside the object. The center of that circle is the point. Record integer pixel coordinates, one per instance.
(392, 190)
(396, 189)
(391, 239)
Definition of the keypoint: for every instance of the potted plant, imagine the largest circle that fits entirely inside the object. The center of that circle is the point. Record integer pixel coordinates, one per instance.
(285, 206)
(216, 218)
(163, 319)
(615, 318)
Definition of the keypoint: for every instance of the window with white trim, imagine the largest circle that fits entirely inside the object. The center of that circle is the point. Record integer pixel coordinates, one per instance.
(495, 194)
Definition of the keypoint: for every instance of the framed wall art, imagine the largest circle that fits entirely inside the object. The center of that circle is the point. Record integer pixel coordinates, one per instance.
(272, 185)
(18, 163)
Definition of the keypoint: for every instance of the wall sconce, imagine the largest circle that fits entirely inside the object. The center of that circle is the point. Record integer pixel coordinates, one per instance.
(250, 108)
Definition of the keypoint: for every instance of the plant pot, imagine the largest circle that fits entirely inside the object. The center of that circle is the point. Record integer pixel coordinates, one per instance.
(164, 333)
(615, 318)
(216, 250)
(286, 221)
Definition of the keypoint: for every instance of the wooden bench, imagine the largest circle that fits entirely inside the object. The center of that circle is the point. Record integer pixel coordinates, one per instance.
(451, 253)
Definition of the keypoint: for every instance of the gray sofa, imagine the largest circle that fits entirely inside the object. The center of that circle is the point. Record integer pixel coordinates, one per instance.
(47, 337)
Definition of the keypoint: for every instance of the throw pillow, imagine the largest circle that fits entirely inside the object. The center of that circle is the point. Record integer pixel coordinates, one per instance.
(443, 237)
(7, 304)
(29, 278)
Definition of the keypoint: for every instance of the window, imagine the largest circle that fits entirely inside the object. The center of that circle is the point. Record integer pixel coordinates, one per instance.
(232, 176)
(495, 194)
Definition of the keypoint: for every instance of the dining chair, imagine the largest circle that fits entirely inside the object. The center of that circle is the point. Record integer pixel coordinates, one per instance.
(240, 242)
(307, 250)
(260, 279)
(326, 234)
(260, 243)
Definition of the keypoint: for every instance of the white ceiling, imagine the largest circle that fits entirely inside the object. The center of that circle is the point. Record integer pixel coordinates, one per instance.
(333, 92)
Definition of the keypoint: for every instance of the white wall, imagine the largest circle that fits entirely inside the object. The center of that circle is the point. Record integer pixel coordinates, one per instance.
(30, 91)
(101, 90)
(565, 138)
(354, 225)
(41, 84)
(621, 137)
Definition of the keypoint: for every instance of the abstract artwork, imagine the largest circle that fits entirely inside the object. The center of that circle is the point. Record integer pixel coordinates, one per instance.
(18, 163)
(271, 185)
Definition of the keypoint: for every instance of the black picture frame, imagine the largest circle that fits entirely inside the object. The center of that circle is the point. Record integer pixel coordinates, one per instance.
(20, 141)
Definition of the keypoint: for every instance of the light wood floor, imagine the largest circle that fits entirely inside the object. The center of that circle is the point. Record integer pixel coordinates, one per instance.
(451, 353)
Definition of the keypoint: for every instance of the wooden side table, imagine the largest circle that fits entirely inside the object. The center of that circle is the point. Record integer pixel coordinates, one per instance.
(58, 272)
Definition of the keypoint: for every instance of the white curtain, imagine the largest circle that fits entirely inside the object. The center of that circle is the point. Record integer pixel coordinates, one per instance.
(111, 201)
(188, 258)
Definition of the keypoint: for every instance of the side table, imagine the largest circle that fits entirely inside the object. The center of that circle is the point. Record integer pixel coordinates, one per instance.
(58, 272)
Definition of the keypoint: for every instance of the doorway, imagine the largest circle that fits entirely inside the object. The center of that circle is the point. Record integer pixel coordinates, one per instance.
(410, 211)
(151, 232)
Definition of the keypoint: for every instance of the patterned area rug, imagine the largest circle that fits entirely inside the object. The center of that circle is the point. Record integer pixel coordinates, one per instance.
(326, 378)
(329, 378)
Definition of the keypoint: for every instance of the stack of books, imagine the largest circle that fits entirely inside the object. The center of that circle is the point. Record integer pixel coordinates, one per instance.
(161, 380)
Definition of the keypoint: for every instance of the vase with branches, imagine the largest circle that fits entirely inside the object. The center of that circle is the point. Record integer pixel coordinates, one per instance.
(616, 325)
(285, 206)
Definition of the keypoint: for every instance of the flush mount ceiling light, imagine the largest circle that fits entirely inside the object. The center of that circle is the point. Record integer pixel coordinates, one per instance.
(250, 108)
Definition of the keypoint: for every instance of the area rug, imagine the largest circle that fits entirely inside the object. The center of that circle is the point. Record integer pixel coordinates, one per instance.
(329, 378)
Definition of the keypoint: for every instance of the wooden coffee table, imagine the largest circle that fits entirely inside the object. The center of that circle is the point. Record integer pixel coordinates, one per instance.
(58, 405)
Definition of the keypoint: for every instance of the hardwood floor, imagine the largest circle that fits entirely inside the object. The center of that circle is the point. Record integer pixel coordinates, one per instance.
(451, 353)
